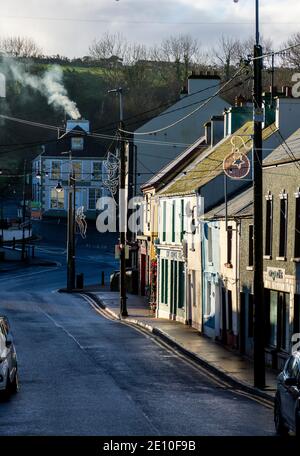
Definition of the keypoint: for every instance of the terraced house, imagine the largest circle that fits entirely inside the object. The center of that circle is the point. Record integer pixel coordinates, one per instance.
(281, 180)
(201, 186)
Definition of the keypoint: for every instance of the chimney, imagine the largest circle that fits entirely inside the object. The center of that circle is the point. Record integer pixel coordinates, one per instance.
(287, 115)
(205, 82)
(207, 129)
(217, 129)
(82, 123)
(239, 101)
(287, 91)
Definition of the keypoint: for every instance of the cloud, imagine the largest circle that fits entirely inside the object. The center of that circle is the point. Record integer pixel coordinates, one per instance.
(145, 21)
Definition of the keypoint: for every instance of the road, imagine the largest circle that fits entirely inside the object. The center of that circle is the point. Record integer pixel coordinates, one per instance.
(83, 374)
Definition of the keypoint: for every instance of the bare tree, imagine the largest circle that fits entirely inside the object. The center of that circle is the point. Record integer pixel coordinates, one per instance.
(225, 55)
(18, 46)
(108, 46)
(245, 48)
(292, 57)
(176, 57)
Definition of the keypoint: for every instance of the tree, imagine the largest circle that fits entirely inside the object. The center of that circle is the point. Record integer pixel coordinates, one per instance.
(18, 46)
(292, 57)
(225, 55)
(176, 57)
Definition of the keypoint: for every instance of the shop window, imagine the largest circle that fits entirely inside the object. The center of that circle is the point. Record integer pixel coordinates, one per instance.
(181, 282)
(162, 285)
(279, 320)
(284, 321)
(273, 319)
(166, 281)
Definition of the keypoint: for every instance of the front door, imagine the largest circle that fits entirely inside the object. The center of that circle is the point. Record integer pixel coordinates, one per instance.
(242, 332)
(173, 297)
(143, 274)
(209, 311)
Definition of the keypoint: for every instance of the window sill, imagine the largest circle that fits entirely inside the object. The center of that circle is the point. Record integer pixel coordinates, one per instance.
(228, 265)
(280, 258)
(267, 257)
(249, 268)
(210, 263)
(296, 260)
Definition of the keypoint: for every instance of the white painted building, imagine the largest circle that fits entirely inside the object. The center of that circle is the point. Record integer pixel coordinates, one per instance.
(155, 150)
(76, 152)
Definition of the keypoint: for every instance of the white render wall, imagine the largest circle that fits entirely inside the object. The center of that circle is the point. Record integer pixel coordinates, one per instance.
(44, 165)
(152, 157)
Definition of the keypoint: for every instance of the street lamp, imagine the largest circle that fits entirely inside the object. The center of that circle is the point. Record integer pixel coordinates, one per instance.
(59, 187)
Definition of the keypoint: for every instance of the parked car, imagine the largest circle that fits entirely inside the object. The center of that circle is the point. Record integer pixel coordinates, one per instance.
(287, 399)
(8, 360)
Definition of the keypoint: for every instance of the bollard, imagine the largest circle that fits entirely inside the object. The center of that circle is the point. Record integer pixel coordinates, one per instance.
(103, 279)
(32, 251)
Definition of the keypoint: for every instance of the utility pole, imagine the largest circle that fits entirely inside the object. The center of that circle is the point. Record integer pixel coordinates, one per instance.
(258, 280)
(122, 206)
(23, 211)
(71, 230)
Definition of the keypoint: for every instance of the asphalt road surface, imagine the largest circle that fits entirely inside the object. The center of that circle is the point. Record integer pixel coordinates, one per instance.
(83, 374)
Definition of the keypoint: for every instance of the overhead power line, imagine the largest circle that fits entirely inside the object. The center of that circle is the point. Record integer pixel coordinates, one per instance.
(141, 21)
(240, 70)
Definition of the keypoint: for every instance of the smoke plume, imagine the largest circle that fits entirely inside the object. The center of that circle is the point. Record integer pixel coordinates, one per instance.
(50, 84)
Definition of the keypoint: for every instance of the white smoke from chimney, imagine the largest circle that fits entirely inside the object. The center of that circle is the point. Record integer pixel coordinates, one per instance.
(50, 84)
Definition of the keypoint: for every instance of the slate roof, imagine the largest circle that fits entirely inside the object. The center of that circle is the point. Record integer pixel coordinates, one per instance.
(282, 154)
(239, 206)
(93, 147)
(179, 162)
(210, 164)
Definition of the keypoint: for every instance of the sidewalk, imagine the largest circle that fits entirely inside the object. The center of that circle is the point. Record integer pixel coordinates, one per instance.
(224, 363)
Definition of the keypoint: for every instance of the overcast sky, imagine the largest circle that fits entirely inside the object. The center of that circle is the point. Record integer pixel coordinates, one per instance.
(69, 26)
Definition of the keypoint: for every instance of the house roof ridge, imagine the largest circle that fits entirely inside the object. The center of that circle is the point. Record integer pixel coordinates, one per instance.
(167, 168)
(206, 169)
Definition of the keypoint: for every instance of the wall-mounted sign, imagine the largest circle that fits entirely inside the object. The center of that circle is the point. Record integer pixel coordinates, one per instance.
(276, 274)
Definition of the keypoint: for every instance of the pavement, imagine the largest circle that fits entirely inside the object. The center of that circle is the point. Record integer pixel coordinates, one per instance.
(226, 364)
